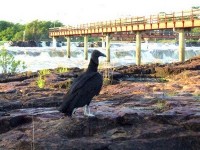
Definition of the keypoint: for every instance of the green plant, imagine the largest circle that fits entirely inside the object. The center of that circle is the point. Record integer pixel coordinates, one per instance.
(41, 78)
(162, 80)
(107, 73)
(68, 83)
(172, 93)
(8, 63)
(160, 105)
(62, 70)
(44, 72)
(106, 77)
(106, 81)
(40, 82)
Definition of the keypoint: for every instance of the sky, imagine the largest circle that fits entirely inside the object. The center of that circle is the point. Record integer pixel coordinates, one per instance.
(72, 12)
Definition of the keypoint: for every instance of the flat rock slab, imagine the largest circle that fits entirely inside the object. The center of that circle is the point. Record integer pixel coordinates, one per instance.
(130, 114)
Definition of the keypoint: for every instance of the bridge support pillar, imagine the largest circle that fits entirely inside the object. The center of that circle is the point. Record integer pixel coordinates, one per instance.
(86, 47)
(68, 47)
(54, 42)
(181, 45)
(108, 47)
(138, 48)
(103, 43)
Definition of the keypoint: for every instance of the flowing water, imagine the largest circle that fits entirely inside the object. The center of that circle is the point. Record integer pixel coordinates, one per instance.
(37, 58)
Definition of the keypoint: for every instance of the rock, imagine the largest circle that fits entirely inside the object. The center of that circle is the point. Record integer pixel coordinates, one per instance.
(3, 114)
(184, 94)
(197, 92)
(6, 106)
(135, 114)
(130, 119)
(162, 144)
(81, 127)
(9, 122)
(193, 124)
(50, 101)
(30, 43)
(175, 85)
(118, 134)
(172, 104)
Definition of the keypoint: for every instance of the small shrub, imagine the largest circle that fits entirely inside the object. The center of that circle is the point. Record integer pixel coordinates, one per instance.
(8, 63)
(106, 81)
(172, 93)
(44, 72)
(41, 78)
(68, 83)
(107, 73)
(160, 105)
(162, 80)
(40, 82)
(62, 70)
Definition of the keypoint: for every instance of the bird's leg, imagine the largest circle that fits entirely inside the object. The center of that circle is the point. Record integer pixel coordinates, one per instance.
(74, 111)
(88, 110)
(85, 110)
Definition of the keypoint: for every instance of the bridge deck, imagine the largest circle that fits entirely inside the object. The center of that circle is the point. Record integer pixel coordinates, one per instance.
(184, 19)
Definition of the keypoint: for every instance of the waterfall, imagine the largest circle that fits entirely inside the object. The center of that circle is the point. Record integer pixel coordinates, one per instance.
(37, 58)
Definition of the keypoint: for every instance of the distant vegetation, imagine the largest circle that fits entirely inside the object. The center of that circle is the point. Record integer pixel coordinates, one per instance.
(35, 30)
(196, 30)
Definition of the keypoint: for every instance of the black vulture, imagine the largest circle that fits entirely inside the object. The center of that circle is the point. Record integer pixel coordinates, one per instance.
(84, 88)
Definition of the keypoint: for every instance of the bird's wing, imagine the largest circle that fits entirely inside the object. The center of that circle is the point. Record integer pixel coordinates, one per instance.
(81, 92)
(74, 94)
(90, 88)
(68, 104)
(81, 80)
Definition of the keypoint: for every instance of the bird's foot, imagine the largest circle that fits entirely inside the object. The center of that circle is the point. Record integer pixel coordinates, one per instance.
(90, 115)
(74, 112)
(87, 111)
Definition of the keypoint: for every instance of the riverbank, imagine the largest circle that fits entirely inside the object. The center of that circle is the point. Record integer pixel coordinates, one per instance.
(147, 107)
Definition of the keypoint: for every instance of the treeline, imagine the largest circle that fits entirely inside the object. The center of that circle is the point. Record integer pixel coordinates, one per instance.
(35, 30)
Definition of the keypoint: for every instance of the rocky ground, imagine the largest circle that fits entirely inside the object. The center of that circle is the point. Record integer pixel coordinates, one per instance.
(146, 107)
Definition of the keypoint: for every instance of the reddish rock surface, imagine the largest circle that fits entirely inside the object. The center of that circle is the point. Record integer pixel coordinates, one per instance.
(136, 112)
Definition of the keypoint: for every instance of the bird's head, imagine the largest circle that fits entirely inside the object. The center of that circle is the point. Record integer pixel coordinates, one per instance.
(95, 55)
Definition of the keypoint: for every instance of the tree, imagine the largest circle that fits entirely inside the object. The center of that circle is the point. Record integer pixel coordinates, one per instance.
(39, 30)
(195, 7)
(9, 30)
(18, 36)
(196, 30)
(35, 30)
(4, 25)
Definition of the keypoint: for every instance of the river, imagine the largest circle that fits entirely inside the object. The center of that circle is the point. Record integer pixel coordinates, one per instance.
(38, 58)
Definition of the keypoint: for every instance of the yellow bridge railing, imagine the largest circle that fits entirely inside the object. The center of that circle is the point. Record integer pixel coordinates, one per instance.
(183, 19)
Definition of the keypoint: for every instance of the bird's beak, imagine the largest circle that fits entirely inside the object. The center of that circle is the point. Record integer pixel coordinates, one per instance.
(103, 55)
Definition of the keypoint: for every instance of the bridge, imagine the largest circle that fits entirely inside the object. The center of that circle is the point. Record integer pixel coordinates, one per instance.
(179, 22)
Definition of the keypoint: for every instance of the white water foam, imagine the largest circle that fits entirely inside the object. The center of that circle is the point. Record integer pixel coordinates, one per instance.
(38, 58)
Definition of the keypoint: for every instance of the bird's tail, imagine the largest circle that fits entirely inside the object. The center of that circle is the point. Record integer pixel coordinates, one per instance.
(67, 105)
(65, 111)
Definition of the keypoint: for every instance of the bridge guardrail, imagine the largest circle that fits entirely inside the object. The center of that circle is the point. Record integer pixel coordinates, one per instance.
(161, 17)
